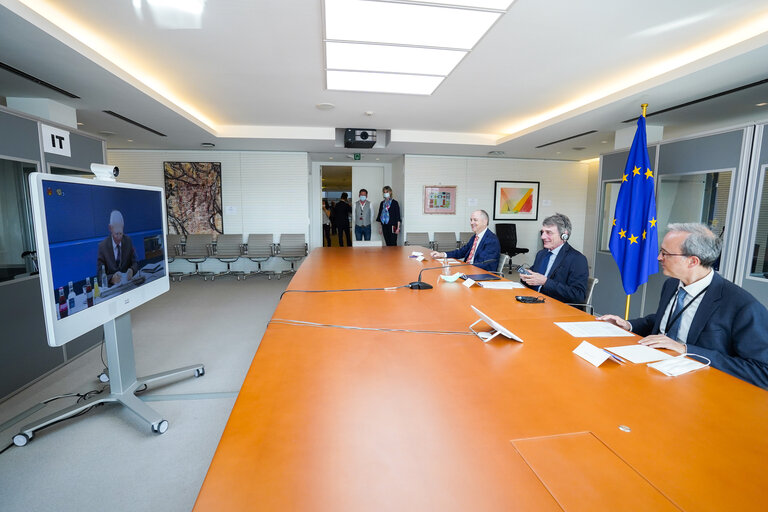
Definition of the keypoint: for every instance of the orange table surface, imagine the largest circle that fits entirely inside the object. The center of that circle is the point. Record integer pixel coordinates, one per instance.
(337, 419)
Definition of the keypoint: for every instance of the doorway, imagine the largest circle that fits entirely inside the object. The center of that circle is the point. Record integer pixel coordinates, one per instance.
(336, 180)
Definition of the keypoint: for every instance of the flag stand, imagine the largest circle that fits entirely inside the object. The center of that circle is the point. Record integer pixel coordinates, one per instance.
(626, 310)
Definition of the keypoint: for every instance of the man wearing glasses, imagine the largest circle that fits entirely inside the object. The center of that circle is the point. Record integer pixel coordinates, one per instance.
(702, 313)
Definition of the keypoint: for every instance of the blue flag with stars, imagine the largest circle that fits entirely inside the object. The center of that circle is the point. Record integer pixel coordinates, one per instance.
(634, 241)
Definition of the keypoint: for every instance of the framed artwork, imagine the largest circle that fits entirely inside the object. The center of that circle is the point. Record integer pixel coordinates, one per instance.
(516, 200)
(440, 199)
(193, 197)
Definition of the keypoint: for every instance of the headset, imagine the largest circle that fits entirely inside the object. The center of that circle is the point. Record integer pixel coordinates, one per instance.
(561, 220)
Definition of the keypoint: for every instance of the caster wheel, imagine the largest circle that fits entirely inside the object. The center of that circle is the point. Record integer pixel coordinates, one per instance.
(199, 372)
(161, 427)
(20, 439)
(103, 377)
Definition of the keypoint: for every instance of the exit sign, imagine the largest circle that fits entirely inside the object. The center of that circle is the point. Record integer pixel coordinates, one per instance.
(357, 156)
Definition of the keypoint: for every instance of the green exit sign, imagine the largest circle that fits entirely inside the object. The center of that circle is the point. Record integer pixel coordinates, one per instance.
(357, 156)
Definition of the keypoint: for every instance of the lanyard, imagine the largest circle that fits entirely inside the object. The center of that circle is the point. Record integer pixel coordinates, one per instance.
(672, 319)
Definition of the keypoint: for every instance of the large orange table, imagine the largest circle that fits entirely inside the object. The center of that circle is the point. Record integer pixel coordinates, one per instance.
(337, 419)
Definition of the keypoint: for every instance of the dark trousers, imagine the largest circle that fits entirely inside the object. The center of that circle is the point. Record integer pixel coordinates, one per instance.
(342, 232)
(389, 237)
(327, 234)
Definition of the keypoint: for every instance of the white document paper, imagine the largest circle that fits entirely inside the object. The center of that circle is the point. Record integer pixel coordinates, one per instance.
(500, 285)
(468, 282)
(419, 258)
(639, 353)
(591, 354)
(594, 329)
(417, 253)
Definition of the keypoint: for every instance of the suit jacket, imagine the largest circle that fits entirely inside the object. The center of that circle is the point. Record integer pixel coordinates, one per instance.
(106, 257)
(729, 329)
(341, 213)
(567, 281)
(487, 249)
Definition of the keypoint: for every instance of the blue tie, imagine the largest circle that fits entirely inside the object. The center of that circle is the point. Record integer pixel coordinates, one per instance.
(544, 265)
(681, 295)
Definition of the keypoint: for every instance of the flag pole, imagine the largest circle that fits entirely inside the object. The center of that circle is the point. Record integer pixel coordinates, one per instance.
(644, 106)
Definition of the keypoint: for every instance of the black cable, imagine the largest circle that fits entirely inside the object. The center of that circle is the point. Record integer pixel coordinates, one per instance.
(388, 288)
(6, 448)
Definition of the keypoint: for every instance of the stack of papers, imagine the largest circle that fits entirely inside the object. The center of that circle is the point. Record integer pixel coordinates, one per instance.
(595, 329)
(500, 285)
(639, 353)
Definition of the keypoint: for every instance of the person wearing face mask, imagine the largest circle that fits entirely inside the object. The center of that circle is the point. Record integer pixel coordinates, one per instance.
(363, 216)
(389, 217)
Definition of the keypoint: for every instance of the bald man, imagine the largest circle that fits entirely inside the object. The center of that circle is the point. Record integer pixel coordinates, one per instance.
(116, 252)
(483, 248)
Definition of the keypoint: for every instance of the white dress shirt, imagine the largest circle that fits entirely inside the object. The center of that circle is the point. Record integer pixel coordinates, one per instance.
(686, 318)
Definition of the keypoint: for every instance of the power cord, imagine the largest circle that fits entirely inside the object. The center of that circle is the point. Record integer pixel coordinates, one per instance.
(387, 289)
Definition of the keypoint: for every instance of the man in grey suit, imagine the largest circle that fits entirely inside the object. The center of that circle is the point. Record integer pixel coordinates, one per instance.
(700, 312)
(116, 252)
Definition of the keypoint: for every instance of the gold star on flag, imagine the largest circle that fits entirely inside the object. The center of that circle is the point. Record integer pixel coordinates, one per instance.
(648, 174)
(653, 222)
(632, 239)
(622, 234)
(614, 222)
(643, 234)
(636, 171)
(624, 178)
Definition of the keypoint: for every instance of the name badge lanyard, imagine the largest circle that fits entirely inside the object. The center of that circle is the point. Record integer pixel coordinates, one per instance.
(672, 319)
(362, 209)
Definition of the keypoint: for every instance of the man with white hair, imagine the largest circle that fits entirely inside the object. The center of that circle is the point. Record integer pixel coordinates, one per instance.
(702, 313)
(116, 253)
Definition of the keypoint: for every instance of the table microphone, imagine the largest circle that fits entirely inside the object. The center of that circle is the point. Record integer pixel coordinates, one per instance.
(421, 285)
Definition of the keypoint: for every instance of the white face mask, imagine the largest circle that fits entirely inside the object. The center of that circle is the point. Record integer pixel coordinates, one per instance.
(386, 195)
(363, 198)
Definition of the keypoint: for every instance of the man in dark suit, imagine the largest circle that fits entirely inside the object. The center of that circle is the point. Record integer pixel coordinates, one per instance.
(559, 271)
(483, 247)
(116, 252)
(700, 312)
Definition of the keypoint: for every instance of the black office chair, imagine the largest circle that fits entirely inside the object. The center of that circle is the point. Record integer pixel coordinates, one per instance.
(507, 234)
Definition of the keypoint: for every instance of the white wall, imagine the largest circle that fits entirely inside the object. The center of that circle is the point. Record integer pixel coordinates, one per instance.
(262, 192)
(563, 189)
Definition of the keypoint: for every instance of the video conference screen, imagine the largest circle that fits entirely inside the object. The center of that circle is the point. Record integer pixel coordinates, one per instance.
(103, 241)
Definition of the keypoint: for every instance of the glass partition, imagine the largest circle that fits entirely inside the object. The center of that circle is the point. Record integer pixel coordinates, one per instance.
(607, 209)
(700, 197)
(759, 266)
(15, 219)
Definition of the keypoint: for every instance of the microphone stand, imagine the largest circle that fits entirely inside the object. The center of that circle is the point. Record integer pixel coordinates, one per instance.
(421, 285)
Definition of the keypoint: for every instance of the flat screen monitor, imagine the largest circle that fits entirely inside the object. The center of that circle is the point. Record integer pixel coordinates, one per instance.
(100, 248)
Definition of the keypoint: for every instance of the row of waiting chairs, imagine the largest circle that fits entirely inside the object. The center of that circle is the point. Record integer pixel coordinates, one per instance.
(443, 241)
(228, 249)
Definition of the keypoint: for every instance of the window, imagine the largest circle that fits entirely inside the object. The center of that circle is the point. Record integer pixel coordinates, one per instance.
(701, 197)
(610, 196)
(759, 266)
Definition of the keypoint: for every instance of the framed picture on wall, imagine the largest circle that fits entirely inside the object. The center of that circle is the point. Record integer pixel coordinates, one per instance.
(439, 199)
(516, 200)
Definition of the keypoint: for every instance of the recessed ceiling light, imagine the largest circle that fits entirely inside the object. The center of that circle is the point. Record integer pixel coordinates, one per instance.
(603, 142)
(208, 144)
(80, 124)
(761, 104)
(330, 158)
(325, 106)
(369, 113)
(129, 140)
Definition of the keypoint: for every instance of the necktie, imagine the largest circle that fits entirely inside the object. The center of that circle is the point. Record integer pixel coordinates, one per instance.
(672, 333)
(470, 258)
(544, 265)
(117, 260)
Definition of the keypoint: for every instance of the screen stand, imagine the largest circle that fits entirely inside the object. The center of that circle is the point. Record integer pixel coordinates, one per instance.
(123, 383)
(485, 336)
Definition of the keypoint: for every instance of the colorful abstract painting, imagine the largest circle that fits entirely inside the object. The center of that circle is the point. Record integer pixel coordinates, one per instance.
(193, 197)
(438, 199)
(516, 200)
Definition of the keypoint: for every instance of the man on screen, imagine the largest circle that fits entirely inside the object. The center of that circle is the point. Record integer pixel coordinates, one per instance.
(116, 252)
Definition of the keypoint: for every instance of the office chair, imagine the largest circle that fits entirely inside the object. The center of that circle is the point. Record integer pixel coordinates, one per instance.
(174, 246)
(259, 248)
(292, 248)
(444, 241)
(197, 249)
(227, 250)
(507, 234)
(418, 238)
(464, 237)
(587, 305)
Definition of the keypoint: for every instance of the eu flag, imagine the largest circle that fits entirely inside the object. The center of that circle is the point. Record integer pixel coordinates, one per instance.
(634, 241)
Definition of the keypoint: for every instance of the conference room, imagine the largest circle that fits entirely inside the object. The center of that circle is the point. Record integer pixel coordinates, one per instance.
(297, 397)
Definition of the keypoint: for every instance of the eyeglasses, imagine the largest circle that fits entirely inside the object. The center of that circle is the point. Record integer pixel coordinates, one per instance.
(664, 254)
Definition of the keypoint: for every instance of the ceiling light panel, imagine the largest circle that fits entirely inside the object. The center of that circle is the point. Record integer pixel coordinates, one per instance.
(497, 5)
(382, 82)
(406, 24)
(393, 59)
